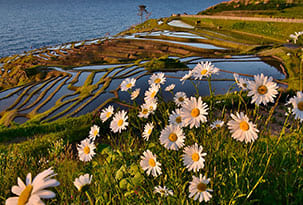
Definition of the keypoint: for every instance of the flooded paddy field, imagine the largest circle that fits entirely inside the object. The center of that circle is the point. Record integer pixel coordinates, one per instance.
(84, 89)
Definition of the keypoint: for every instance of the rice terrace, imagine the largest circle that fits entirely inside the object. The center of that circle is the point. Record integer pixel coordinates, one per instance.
(199, 108)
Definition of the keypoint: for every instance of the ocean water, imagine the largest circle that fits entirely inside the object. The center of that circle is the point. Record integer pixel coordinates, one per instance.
(30, 24)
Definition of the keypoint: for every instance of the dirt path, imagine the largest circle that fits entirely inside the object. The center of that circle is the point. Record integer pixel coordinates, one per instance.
(283, 20)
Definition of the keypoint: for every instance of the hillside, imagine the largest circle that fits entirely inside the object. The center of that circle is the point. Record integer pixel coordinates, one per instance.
(261, 8)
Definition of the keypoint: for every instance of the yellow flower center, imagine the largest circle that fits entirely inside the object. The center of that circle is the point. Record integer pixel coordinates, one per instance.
(244, 85)
(149, 131)
(108, 114)
(25, 195)
(145, 111)
(151, 162)
(203, 72)
(181, 99)
(153, 94)
(95, 132)
(195, 112)
(173, 137)
(120, 123)
(158, 80)
(244, 126)
(195, 157)
(162, 191)
(262, 90)
(201, 187)
(300, 105)
(86, 150)
(128, 85)
(178, 119)
(217, 125)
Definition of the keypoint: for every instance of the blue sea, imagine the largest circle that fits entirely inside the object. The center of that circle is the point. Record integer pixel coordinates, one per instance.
(30, 24)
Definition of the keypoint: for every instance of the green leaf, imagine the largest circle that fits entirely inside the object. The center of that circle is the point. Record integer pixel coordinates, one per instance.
(107, 150)
(137, 179)
(134, 169)
(123, 184)
(151, 145)
(120, 173)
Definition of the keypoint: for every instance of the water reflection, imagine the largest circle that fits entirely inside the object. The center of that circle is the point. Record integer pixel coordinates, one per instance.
(251, 65)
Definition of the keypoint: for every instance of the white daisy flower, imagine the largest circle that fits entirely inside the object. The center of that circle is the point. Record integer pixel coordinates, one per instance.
(94, 132)
(217, 124)
(193, 112)
(107, 113)
(170, 87)
(175, 118)
(262, 90)
(135, 94)
(157, 79)
(144, 111)
(193, 157)
(128, 83)
(119, 122)
(180, 98)
(172, 137)
(242, 129)
(86, 150)
(148, 128)
(163, 191)
(241, 82)
(198, 189)
(297, 104)
(296, 36)
(204, 70)
(32, 192)
(149, 164)
(186, 77)
(82, 181)
(152, 105)
(151, 93)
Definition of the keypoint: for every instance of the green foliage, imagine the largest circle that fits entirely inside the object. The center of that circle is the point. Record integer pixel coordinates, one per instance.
(33, 71)
(35, 128)
(163, 64)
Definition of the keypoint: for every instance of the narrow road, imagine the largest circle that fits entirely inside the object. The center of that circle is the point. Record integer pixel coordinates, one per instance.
(283, 20)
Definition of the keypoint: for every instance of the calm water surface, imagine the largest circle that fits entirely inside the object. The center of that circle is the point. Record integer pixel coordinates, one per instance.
(26, 24)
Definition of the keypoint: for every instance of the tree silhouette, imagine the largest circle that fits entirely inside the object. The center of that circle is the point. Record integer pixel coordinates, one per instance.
(142, 10)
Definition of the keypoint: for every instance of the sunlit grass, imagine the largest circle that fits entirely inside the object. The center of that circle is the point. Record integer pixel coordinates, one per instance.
(265, 171)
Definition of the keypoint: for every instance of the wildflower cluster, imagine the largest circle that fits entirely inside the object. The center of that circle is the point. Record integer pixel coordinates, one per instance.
(190, 113)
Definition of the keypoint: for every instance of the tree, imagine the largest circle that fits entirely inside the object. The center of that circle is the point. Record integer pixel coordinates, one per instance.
(142, 9)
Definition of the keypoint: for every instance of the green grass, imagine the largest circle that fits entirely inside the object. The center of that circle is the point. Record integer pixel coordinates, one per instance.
(164, 63)
(270, 9)
(32, 128)
(276, 31)
(267, 171)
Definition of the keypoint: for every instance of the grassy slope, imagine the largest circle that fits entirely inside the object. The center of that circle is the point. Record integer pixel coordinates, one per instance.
(272, 9)
(234, 168)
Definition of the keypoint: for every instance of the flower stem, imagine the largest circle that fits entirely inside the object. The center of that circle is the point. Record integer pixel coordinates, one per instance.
(196, 88)
(269, 158)
(89, 199)
(211, 96)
